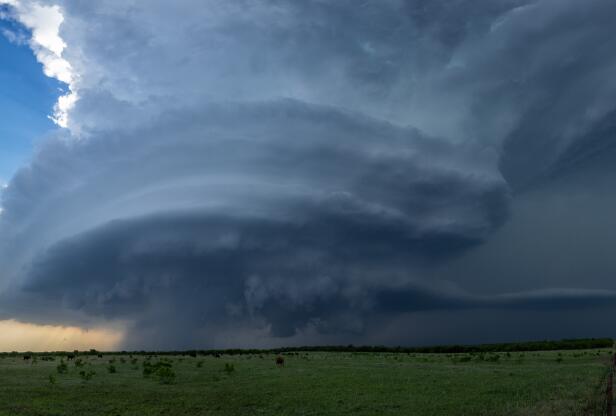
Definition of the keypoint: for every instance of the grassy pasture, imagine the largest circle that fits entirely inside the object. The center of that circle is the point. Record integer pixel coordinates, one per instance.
(313, 383)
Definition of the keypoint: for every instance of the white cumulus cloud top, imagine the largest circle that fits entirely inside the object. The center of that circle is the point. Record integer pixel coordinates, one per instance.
(44, 22)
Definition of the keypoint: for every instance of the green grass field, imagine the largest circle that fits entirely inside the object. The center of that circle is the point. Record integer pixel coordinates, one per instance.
(530, 383)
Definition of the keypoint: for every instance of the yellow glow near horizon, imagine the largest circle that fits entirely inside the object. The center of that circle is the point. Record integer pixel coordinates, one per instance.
(21, 336)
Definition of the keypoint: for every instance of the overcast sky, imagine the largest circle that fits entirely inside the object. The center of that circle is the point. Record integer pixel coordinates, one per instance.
(260, 173)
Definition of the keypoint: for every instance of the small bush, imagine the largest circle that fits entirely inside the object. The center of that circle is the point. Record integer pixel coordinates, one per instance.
(229, 368)
(86, 375)
(62, 367)
(79, 362)
(147, 369)
(161, 369)
(199, 364)
(52, 379)
(165, 375)
(111, 368)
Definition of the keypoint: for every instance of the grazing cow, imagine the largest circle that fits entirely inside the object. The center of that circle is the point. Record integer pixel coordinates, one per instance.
(27, 357)
(70, 356)
(100, 355)
(280, 361)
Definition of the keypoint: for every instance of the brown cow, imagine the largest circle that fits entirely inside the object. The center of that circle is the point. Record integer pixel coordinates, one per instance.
(280, 361)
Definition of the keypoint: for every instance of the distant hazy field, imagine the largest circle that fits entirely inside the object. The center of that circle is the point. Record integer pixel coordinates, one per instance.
(531, 383)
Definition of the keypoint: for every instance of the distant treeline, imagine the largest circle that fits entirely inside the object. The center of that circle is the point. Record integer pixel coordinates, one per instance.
(565, 344)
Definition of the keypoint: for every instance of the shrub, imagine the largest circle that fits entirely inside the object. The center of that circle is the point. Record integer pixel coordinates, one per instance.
(79, 362)
(229, 368)
(86, 375)
(165, 375)
(62, 367)
(199, 364)
(111, 368)
(52, 379)
(161, 369)
(147, 369)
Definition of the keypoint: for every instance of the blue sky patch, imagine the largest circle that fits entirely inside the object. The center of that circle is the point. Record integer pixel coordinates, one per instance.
(27, 97)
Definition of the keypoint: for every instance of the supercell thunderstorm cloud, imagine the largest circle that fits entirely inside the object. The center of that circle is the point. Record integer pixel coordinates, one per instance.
(256, 173)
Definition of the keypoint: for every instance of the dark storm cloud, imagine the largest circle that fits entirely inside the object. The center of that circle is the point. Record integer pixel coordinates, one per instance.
(289, 213)
(548, 74)
(176, 274)
(390, 59)
(165, 274)
(250, 168)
